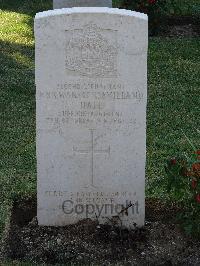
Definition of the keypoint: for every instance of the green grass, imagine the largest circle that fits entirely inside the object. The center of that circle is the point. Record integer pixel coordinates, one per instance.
(180, 7)
(17, 102)
(173, 93)
(188, 7)
(174, 100)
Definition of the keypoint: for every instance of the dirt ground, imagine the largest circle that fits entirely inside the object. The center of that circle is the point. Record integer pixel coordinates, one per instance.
(180, 27)
(160, 242)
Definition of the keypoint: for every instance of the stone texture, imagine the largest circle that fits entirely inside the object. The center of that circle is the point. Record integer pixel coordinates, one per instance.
(91, 79)
(81, 3)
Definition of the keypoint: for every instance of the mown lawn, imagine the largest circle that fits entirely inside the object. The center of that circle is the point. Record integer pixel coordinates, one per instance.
(173, 106)
(179, 7)
(188, 7)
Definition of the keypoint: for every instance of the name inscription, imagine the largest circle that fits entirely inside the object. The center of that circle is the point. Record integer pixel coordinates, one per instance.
(90, 103)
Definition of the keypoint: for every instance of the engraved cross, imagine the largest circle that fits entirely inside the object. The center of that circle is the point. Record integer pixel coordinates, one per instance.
(92, 151)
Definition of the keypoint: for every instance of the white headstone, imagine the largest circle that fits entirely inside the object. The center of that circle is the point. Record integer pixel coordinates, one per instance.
(91, 78)
(81, 3)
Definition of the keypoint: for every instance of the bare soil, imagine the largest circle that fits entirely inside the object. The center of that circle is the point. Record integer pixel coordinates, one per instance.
(160, 242)
(183, 26)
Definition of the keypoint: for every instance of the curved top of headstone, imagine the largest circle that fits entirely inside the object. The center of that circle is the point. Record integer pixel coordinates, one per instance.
(106, 10)
(81, 3)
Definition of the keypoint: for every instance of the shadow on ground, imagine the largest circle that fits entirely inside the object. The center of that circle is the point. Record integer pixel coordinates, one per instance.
(26, 6)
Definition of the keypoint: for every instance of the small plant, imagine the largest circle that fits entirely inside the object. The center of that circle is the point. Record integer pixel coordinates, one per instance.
(183, 182)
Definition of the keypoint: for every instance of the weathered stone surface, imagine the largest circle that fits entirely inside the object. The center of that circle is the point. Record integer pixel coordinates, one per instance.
(91, 78)
(81, 3)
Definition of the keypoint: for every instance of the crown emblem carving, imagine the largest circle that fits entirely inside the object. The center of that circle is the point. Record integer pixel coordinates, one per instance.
(90, 53)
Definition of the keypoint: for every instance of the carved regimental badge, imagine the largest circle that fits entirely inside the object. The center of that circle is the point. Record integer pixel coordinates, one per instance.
(91, 52)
